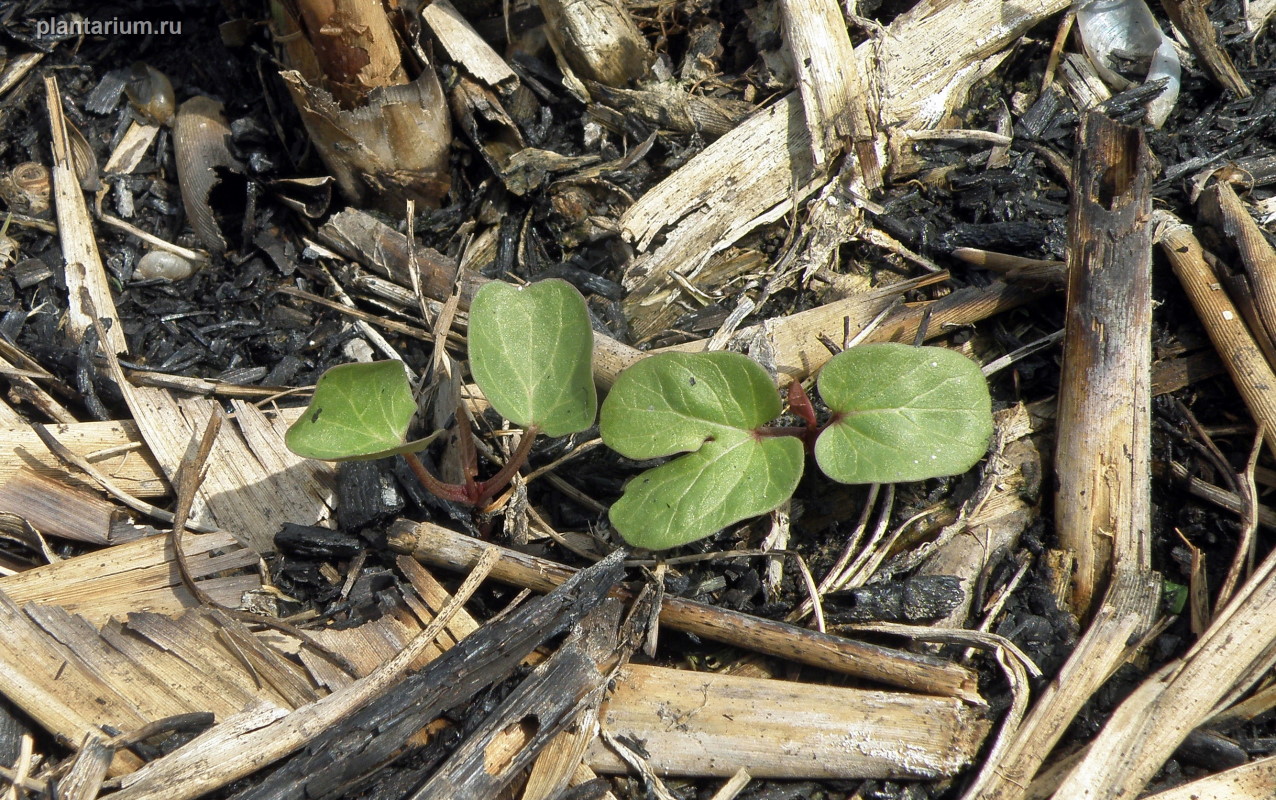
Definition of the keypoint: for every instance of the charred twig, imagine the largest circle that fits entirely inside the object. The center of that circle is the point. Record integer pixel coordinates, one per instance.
(384, 723)
(437, 545)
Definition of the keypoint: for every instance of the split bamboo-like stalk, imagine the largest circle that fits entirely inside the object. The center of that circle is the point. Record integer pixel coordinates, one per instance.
(433, 544)
(1108, 308)
(835, 96)
(725, 722)
(84, 270)
(1103, 504)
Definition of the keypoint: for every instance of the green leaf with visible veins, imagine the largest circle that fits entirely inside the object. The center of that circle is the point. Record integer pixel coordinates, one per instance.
(359, 411)
(903, 414)
(531, 351)
(709, 405)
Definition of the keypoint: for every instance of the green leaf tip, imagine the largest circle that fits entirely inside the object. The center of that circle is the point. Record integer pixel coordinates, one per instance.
(904, 414)
(710, 406)
(359, 411)
(530, 350)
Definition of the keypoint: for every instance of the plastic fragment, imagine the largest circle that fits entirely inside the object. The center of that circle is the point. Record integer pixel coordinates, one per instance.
(1122, 32)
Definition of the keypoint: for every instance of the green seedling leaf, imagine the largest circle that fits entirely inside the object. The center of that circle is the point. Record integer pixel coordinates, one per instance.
(903, 414)
(709, 405)
(530, 352)
(358, 412)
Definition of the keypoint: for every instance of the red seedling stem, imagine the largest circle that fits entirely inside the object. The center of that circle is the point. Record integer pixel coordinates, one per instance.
(489, 488)
(473, 493)
(445, 491)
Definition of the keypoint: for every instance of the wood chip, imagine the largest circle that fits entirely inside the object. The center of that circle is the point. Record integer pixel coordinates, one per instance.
(464, 46)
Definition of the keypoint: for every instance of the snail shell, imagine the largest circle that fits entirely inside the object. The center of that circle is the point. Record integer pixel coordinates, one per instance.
(163, 264)
(26, 189)
(151, 93)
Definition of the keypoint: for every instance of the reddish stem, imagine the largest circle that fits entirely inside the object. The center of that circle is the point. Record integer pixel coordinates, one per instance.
(770, 431)
(466, 453)
(487, 489)
(473, 493)
(447, 491)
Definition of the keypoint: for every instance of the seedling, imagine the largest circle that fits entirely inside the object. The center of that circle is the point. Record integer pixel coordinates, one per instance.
(898, 413)
(529, 351)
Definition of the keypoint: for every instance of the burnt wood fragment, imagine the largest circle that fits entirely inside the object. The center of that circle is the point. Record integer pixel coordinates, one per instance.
(367, 493)
(376, 734)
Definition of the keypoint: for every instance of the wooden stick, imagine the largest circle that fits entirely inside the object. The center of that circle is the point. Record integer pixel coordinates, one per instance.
(1236, 347)
(433, 544)
(1191, 17)
(1103, 506)
(784, 730)
(1108, 221)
